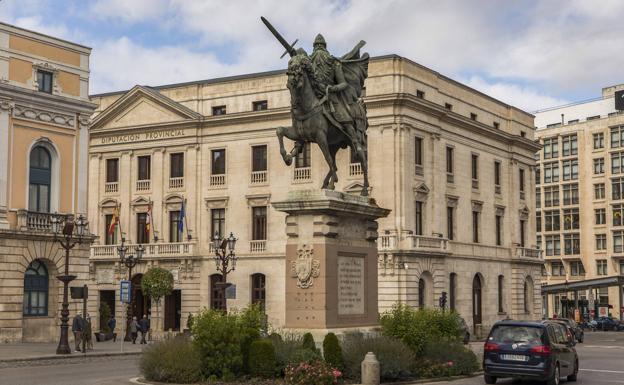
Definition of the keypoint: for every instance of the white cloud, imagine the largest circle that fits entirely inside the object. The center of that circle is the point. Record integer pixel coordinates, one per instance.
(129, 10)
(35, 23)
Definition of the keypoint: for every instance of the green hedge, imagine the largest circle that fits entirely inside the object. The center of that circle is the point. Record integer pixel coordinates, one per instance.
(262, 359)
(396, 359)
(332, 352)
(175, 360)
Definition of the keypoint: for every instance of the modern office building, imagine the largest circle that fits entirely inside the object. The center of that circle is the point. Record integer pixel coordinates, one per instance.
(580, 203)
(455, 166)
(44, 113)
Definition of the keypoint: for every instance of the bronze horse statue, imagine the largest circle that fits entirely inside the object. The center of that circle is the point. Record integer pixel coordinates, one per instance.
(312, 122)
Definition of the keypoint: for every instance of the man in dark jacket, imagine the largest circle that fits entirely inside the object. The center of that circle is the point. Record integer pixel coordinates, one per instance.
(77, 326)
(145, 326)
(112, 323)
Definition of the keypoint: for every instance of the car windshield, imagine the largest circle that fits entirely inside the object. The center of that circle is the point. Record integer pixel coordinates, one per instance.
(515, 334)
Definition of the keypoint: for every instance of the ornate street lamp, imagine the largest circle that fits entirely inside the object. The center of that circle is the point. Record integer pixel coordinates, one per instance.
(225, 259)
(68, 233)
(130, 261)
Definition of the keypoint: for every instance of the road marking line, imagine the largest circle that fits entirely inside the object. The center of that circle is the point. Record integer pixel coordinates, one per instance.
(603, 346)
(603, 371)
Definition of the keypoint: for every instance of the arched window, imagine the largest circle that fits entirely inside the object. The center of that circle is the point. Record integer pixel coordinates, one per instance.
(452, 290)
(217, 292)
(501, 283)
(476, 301)
(36, 290)
(421, 293)
(258, 290)
(40, 177)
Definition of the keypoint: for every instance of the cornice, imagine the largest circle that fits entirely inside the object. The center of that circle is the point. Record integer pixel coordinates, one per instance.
(36, 99)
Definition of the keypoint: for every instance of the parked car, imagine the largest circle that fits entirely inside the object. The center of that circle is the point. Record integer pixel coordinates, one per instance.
(575, 328)
(609, 323)
(534, 350)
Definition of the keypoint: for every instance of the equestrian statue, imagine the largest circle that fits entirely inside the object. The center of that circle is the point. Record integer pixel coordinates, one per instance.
(326, 104)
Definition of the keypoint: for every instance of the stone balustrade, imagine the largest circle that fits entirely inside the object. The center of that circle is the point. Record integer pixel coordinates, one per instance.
(152, 250)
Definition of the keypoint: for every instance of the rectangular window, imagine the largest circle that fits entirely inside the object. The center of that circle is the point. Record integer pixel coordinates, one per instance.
(538, 241)
(570, 145)
(521, 182)
(420, 94)
(538, 198)
(618, 212)
(259, 158)
(497, 173)
(599, 166)
(570, 194)
(450, 222)
(475, 226)
(475, 167)
(571, 219)
(617, 188)
(499, 230)
(217, 222)
(557, 269)
(618, 237)
(551, 221)
(217, 166)
(259, 223)
(473, 116)
(599, 191)
(145, 163)
(576, 268)
(419, 219)
(551, 172)
(601, 241)
(617, 137)
(538, 175)
(261, 105)
(109, 239)
(572, 244)
(617, 162)
(449, 160)
(218, 110)
(142, 234)
(496, 125)
(601, 216)
(303, 158)
(601, 267)
(551, 148)
(551, 196)
(570, 169)
(418, 151)
(44, 81)
(598, 140)
(538, 222)
(177, 165)
(500, 293)
(112, 170)
(448, 106)
(175, 235)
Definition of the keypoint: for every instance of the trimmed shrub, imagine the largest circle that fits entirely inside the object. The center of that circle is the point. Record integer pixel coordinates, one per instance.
(308, 342)
(262, 359)
(313, 373)
(396, 359)
(332, 352)
(417, 328)
(175, 360)
(223, 340)
(105, 315)
(444, 358)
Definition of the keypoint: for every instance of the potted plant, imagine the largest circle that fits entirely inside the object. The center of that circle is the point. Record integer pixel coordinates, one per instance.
(105, 333)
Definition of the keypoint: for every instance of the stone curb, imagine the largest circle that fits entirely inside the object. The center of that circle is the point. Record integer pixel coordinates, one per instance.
(68, 357)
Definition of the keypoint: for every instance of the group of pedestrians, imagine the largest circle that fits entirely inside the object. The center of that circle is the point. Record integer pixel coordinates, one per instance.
(142, 326)
(81, 327)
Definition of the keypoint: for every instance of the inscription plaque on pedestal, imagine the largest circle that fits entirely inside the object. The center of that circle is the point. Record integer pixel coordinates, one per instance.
(351, 285)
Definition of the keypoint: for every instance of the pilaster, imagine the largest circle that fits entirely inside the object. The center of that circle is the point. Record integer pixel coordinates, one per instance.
(6, 108)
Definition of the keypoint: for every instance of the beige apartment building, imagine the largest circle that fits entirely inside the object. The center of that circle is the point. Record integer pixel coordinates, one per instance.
(580, 203)
(44, 113)
(455, 166)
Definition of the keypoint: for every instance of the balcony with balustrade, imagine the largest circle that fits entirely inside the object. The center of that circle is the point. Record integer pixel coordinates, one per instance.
(526, 252)
(111, 187)
(257, 246)
(176, 183)
(258, 177)
(152, 250)
(143, 185)
(35, 222)
(355, 169)
(218, 180)
(408, 242)
(302, 174)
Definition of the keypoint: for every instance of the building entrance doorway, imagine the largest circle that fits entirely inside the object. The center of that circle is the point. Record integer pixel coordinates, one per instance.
(107, 298)
(173, 310)
(477, 315)
(141, 305)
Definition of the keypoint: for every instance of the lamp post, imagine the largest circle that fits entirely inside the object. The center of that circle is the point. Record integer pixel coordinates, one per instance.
(225, 259)
(68, 233)
(130, 261)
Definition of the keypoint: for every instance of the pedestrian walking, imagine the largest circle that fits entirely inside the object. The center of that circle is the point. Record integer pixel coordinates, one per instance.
(112, 323)
(144, 323)
(77, 326)
(134, 328)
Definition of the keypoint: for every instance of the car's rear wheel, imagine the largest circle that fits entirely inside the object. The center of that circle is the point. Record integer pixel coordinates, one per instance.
(554, 380)
(489, 379)
(573, 376)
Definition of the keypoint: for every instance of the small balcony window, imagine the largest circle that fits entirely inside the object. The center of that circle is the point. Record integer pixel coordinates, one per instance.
(44, 81)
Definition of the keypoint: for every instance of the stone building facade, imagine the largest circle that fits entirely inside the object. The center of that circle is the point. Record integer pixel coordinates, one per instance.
(440, 155)
(579, 195)
(44, 111)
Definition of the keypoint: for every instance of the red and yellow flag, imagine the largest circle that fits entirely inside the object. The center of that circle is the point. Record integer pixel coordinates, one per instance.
(114, 221)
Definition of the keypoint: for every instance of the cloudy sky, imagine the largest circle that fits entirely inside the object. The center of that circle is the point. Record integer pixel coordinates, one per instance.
(528, 53)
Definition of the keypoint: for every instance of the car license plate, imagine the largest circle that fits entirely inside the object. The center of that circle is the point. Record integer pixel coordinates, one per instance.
(514, 357)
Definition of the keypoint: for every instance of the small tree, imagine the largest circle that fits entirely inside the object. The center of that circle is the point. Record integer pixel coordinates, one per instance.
(332, 351)
(157, 283)
(105, 314)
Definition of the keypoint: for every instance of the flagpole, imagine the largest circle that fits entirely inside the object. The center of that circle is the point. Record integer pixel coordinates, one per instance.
(185, 221)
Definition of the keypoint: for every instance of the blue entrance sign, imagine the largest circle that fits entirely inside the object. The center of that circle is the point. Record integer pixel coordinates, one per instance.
(125, 291)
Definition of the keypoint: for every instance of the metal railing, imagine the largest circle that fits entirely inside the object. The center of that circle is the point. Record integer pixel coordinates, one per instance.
(302, 174)
(111, 187)
(177, 182)
(258, 177)
(142, 185)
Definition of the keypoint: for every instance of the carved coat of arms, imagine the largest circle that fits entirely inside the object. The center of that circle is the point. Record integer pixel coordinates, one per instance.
(305, 268)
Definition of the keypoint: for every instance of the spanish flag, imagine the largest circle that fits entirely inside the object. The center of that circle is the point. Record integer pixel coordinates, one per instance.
(114, 221)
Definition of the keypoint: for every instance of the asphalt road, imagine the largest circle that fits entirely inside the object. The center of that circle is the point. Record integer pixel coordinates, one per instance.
(94, 371)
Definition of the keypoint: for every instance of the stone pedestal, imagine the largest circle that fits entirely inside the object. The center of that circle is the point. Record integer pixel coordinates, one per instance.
(331, 261)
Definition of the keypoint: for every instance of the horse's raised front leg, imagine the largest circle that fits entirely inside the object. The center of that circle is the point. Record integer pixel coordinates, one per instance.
(281, 132)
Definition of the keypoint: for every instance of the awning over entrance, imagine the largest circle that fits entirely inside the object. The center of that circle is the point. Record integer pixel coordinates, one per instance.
(583, 285)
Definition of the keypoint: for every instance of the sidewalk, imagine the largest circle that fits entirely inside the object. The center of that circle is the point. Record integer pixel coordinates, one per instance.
(40, 351)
